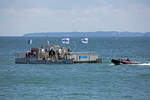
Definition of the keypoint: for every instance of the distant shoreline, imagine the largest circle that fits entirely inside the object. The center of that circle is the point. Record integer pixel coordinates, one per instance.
(10, 36)
(89, 34)
(84, 34)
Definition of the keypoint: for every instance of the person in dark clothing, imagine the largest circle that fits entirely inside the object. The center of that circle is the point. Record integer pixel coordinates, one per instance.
(69, 51)
(51, 53)
(128, 59)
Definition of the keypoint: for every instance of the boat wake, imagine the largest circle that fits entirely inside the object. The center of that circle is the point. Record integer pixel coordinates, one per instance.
(144, 64)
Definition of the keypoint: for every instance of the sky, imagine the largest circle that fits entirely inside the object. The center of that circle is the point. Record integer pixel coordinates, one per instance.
(18, 17)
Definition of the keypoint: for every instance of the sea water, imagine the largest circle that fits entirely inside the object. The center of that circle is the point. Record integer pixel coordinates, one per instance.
(77, 81)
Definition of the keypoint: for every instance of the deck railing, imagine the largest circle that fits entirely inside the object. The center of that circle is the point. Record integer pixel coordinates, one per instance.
(19, 55)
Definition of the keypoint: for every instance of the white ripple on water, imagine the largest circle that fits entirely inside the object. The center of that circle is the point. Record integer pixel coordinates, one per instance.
(144, 64)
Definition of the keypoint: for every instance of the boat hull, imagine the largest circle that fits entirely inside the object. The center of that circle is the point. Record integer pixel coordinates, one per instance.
(119, 62)
(62, 61)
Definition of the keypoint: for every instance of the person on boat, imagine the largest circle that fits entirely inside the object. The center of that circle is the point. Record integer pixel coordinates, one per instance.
(69, 51)
(63, 52)
(128, 59)
(32, 52)
(26, 54)
(52, 54)
(59, 53)
(42, 49)
(47, 48)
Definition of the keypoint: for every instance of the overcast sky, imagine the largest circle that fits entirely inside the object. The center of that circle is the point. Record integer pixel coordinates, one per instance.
(18, 17)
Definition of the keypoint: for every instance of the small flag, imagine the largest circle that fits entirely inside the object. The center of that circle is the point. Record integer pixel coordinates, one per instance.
(30, 42)
(84, 40)
(65, 40)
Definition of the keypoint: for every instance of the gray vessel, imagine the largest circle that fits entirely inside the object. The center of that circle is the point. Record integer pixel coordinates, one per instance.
(55, 55)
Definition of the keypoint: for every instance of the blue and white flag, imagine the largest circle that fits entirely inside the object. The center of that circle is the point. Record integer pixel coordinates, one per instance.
(84, 40)
(30, 41)
(65, 40)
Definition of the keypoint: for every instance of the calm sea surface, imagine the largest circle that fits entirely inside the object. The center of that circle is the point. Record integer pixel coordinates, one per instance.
(77, 81)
